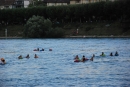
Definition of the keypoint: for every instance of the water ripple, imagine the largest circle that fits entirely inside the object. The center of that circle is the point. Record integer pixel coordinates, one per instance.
(57, 68)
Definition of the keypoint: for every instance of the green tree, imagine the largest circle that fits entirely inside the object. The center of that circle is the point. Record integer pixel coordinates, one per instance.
(36, 3)
(36, 27)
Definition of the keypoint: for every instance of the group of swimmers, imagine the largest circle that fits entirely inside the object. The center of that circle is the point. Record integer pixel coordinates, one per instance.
(83, 59)
(2, 61)
(76, 59)
(21, 57)
(41, 49)
(111, 54)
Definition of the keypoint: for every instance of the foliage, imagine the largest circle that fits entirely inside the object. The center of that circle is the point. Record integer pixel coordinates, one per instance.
(37, 27)
(36, 3)
(34, 27)
(98, 12)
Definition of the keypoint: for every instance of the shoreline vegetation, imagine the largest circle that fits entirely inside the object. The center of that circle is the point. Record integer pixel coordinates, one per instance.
(102, 19)
(85, 30)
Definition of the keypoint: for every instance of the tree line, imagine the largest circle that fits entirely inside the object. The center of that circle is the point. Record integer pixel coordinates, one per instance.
(100, 11)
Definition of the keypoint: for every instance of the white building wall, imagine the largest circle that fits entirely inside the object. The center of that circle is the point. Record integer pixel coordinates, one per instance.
(50, 4)
(56, 4)
(1, 7)
(26, 3)
(112, 0)
(10, 6)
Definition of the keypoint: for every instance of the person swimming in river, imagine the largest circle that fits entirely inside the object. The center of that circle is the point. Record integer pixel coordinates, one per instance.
(27, 56)
(50, 49)
(83, 58)
(2, 60)
(92, 57)
(35, 56)
(77, 57)
(111, 54)
(116, 54)
(42, 49)
(20, 57)
(102, 54)
(36, 49)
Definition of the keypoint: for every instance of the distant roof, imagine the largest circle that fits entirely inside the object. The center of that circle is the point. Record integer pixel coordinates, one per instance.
(57, 1)
(6, 2)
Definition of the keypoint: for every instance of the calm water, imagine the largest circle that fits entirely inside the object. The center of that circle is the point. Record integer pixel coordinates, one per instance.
(57, 68)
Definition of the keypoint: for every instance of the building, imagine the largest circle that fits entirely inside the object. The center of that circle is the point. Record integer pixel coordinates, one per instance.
(19, 3)
(87, 1)
(56, 2)
(9, 4)
(6, 4)
(26, 3)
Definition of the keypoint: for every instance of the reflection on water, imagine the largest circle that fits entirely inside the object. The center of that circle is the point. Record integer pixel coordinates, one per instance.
(57, 68)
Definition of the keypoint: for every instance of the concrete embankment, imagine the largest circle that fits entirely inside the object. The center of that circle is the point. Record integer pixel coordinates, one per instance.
(98, 36)
(10, 37)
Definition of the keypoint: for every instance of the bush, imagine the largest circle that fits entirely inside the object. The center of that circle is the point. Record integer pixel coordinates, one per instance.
(36, 27)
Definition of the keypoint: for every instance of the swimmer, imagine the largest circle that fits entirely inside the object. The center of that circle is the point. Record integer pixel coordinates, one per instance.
(20, 57)
(50, 49)
(83, 58)
(28, 56)
(35, 56)
(92, 57)
(77, 57)
(2, 61)
(116, 54)
(42, 49)
(111, 54)
(102, 54)
(37, 49)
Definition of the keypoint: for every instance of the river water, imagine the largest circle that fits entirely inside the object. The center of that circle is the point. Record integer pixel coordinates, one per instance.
(57, 68)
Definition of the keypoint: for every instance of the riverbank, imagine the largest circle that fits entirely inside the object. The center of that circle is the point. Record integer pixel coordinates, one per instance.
(11, 37)
(77, 30)
(99, 36)
(75, 37)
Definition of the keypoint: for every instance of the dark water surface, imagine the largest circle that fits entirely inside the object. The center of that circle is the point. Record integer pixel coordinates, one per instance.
(57, 68)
